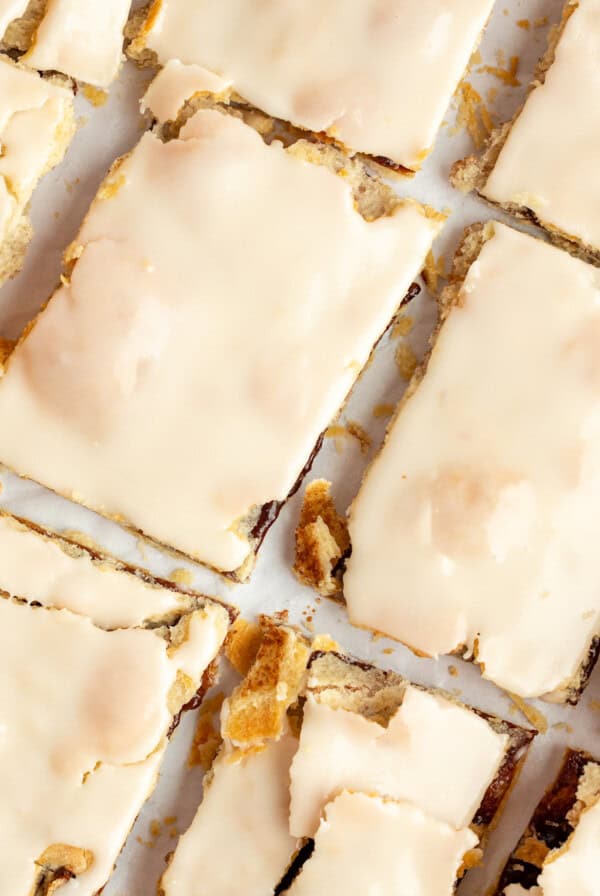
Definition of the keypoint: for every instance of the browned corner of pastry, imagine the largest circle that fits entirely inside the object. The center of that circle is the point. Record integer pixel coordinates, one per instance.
(322, 541)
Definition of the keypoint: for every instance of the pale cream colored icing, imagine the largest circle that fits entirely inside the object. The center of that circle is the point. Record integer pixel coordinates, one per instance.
(227, 295)
(176, 83)
(239, 837)
(367, 845)
(434, 753)
(476, 525)
(31, 112)
(550, 160)
(38, 568)
(575, 869)
(83, 725)
(9, 10)
(377, 75)
(81, 39)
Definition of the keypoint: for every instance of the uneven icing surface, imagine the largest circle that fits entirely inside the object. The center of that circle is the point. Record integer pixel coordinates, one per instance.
(31, 111)
(241, 828)
(477, 523)
(9, 10)
(367, 845)
(226, 297)
(576, 868)
(550, 160)
(176, 83)
(36, 567)
(81, 39)
(349, 69)
(434, 753)
(83, 722)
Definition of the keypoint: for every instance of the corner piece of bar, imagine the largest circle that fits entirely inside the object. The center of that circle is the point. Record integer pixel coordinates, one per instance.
(452, 550)
(180, 378)
(559, 853)
(342, 73)
(542, 166)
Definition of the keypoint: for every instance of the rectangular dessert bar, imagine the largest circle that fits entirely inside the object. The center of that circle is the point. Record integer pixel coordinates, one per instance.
(375, 77)
(543, 165)
(474, 531)
(559, 853)
(79, 38)
(85, 715)
(325, 760)
(36, 127)
(218, 304)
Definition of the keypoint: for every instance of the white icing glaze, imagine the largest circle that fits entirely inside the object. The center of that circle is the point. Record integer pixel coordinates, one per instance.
(31, 112)
(476, 525)
(225, 300)
(350, 69)
(81, 39)
(241, 828)
(550, 160)
(83, 722)
(366, 845)
(9, 10)
(434, 753)
(37, 568)
(176, 83)
(575, 869)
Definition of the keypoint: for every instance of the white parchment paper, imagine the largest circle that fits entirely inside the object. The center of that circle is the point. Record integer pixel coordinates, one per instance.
(58, 208)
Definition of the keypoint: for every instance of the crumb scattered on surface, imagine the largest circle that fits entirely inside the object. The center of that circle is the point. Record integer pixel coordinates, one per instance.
(507, 75)
(524, 23)
(322, 540)
(388, 651)
(82, 538)
(434, 271)
(541, 22)
(472, 113)
(182, 576)
(595, 705)
(242, 644)
(326, 644)
(403, 326)
(453, 671)
(339, 433)
(563, 726)
(361, 435)
(406, 360)
(533, 715)
(207, 737)
(352, 430)
(94, 95)
(383, 410)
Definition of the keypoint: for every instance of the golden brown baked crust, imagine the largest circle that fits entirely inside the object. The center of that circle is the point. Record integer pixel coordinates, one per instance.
(20, 34)
(322, 540)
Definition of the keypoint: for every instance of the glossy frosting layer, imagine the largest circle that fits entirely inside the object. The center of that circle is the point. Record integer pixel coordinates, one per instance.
(32, 112)
(84, 715)
(81, 39)
(476, 525)
(241, 827)
(376, 75)
(550, 160)
(434, 753)
(226, 296)
(367, 845)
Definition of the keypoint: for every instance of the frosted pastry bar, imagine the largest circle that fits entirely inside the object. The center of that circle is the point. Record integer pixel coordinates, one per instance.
(85, 714)
(559, 852)
(79, 38)
(317, 745)
(36, 127)
(223, 298)
(475, 528)
(544, 164)
(376, 76)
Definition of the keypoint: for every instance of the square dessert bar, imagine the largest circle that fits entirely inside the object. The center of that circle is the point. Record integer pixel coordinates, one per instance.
(219, 303)
(543, 165)
(474, 531)
(36, 127)
(559, 853)
(79, 38)
(325, 761)
(376, 77)
(86, 706)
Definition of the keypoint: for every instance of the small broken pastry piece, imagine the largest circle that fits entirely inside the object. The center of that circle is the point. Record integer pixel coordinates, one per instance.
(474, 531)
(36, 127)
(83, 40)
(85, 715)
(322, 746)
(322, 540)
(179, 284)
(343, 73)
(559, 853)
(543, 165)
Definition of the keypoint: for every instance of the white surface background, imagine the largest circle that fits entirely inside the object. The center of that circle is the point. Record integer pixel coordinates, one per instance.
(58, 208)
